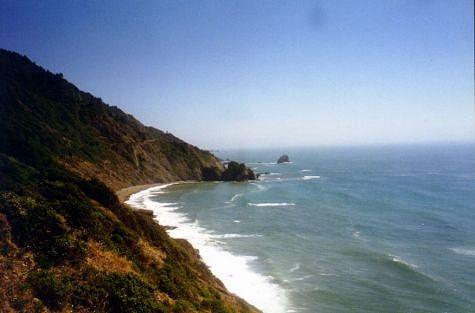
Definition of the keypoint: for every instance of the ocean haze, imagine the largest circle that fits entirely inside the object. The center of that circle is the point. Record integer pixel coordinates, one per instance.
(267, 73)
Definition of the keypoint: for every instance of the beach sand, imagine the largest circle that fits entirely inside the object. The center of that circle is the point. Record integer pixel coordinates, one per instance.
(124, 193)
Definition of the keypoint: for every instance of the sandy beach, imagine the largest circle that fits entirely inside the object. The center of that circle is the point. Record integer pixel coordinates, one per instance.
(124, 193)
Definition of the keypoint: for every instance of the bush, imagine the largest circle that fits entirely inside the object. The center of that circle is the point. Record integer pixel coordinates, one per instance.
(183, 306)
(50, 289)
(128, 294)
(39, 227)
(97, 190)
(15, 175)
(214, 305)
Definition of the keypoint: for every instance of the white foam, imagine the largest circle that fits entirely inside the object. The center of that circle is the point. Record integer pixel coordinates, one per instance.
(225, 236)
(233, 270)
(295, 268)
(271, 204)
(261, 163)
(259, 187)
(137, 199)
(397, 259)
(302, 278)
(235, 197)
(464, 251)
(307, 177)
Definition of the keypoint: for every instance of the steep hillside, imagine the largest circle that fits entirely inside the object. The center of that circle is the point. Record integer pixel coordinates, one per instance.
(66, 243)
(45, 117)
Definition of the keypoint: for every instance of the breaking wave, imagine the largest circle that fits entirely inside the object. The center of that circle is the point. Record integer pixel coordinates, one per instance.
(233, 270)
(270, 204)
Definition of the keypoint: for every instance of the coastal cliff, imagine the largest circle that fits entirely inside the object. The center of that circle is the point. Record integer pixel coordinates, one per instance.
(44, 117)
(66, 242)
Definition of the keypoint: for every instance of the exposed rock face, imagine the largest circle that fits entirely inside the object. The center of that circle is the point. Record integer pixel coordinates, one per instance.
(283, 159)
(237, 172)
(233, 172)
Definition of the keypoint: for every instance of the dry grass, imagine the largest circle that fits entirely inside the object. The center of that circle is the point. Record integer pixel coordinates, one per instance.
(107, 261)
(153, 254)
(13, 275)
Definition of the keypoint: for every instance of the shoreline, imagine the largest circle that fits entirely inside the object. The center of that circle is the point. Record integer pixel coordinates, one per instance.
(222, 263)
(125, 193)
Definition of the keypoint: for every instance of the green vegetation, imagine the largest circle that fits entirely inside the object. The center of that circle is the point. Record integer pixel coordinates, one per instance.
(66, 242)
(104, 292)
(47, 119)
(53, 216)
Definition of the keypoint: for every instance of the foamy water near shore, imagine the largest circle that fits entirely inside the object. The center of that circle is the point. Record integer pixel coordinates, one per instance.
(235, 271)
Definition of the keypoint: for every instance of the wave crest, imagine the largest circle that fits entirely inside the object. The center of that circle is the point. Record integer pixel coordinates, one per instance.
(271, 204)
(226, 236)
(307, 177)
(464, 251)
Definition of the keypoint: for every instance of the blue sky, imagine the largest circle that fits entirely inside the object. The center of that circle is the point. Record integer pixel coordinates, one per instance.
(224, 74)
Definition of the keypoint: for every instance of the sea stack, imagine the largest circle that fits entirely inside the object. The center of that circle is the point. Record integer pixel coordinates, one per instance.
(233, 172)
(237, 172)
(283, 159)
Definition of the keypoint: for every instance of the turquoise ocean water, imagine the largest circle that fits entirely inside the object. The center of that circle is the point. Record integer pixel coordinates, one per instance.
(361, 229)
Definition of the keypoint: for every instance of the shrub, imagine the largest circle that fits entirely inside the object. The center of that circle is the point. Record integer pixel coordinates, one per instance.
(50, 289)
(183, 306)
(214, 305)
(128, 294)
(97, 190)
(39, 227)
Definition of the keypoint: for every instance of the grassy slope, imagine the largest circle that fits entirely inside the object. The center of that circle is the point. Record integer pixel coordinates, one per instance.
(44, 116)
(66, 243)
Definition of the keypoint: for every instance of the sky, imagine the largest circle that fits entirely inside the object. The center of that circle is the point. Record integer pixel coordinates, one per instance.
(249, 73)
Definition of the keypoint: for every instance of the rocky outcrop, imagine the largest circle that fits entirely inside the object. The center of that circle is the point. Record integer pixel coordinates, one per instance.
(237, 172)
(233, 172)
(283, 159)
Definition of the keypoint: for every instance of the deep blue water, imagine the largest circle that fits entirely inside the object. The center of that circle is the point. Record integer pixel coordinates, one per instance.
(368, 229)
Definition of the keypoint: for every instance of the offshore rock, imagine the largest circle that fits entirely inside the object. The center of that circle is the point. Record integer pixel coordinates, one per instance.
(283, 159)
(233, 172)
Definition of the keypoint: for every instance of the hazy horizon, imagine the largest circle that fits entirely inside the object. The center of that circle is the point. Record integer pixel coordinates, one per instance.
(273, 74)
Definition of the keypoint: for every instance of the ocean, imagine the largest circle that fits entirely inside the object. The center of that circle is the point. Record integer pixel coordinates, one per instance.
(342, 229)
